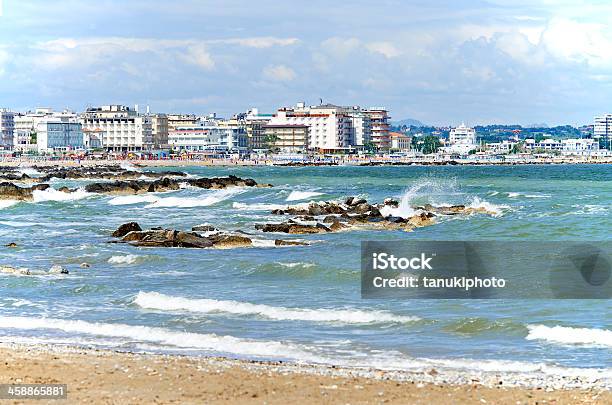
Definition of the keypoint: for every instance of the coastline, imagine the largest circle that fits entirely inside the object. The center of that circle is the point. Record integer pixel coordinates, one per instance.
(12, 163)
(105, 376)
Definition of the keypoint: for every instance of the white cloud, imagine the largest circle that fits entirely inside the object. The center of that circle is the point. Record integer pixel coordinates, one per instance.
(386, 49)
(259, 42)
(199, 56)
(279, 73)
(4, 58)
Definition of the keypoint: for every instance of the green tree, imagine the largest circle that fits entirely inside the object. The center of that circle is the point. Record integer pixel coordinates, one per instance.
(427, 144)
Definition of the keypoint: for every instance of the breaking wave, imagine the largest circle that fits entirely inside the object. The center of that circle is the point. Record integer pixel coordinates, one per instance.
(129, 167)
(157, 201)
(498, 210)
(302, 195)
(8, 203)
(126, 259)
(154, 300)
(52, 194)
(568, 335)
(258, 206)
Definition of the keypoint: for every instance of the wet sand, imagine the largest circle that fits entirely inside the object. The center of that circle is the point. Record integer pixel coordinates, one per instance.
(97, 376)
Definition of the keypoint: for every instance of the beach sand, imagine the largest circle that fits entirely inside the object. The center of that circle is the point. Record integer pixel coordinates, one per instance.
(98, 376)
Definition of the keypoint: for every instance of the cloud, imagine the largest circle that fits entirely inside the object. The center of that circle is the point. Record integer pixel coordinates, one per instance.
(259, 42)
(279, 73)
(4, 58)
(199, 56)
(386, 49)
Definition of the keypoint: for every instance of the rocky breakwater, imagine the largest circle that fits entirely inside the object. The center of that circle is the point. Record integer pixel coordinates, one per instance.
(168, 184)
(199, 237)
(102, 172)
(357, 213)
(10, 191)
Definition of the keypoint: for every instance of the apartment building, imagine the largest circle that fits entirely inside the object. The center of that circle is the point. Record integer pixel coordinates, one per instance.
(207, 139)
(602, 129)
(7, 127)
(120, 128)
(59, 134)
(379, 124)
(159, 131)
(291, 138)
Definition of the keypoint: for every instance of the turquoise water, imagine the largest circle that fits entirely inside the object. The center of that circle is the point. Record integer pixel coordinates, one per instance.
(303, 303)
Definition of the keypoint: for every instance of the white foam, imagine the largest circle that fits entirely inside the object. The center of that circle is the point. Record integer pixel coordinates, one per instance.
(133, 199)
(497, 210)
(513, 194)
(8, 203)
(258, 206)
(127, 259)
(129, 167)
(209, 342)
(212, 198)
(52, 194)
(29, 171)
(154, 300)
(263, 243)
(302, 195)
(568, 335)
(292, 265)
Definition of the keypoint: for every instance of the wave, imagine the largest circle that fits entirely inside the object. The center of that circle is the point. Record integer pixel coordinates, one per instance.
(52, 194)
(133, 199)
(568, 335)
(292, 265)
(8, 203)
(302, 195)
(513, 194)
(129, 167)
(29, 171)
(498, 210)
(208, 342)
(127, 259)
(154, 300)
(258, 206)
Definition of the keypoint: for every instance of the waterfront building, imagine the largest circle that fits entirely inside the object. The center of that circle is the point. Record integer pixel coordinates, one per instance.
(501, 148)
(254, 124)
(181, 120)
(207, 139)
(159, 131)
(461, 140)
(399, 142)
(58, 133)
(379, 123)
(574, 146)
(291, 138)
(120, 128)
(7, 127)
(602, 129)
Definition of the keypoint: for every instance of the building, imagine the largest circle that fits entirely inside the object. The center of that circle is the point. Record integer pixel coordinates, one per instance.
(7, 127)
(379, 123)
(159, 131)
(574, 146)
(501, 148)
(25, 136)
(59, 134)
(254, 126)
(462, 140)
(207, 139)
(181, 120)
(291, 138)
(120, 128)
(602, 129)
(399, 142)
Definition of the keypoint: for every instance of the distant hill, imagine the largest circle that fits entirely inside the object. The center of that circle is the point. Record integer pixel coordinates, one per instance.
(408, 122)
(540, 125)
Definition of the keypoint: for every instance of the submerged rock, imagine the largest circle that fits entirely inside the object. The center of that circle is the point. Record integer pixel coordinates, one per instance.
(57, 269)
(21, 271)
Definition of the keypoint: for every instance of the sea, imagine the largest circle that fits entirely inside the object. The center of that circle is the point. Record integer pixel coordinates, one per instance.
(303, 303)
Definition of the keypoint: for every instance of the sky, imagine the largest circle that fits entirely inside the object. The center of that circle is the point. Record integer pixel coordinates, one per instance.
(442, 62)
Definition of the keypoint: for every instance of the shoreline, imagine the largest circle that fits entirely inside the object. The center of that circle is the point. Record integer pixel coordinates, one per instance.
(107, 376)
(12, 163)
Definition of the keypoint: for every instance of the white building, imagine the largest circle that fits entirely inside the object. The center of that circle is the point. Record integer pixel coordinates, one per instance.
(207, 138)
(7, 127)
(574, 146)
(462, 140)
(602, 128)
(120, 128)
(59, 133)
(501, 148)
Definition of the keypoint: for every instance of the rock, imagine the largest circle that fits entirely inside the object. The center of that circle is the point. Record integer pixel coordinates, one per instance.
(191, 240)
(230, 241)
(84, 265)
(203, 228)
(362, 208)
(125, 229)
(423, 219)
(57, 269)
(11, 245)
(391, 202)
(9, 191)
(280, 242)
(64, 189)
(357, 201)
(292, 228)
(336, 226)
(330, 219)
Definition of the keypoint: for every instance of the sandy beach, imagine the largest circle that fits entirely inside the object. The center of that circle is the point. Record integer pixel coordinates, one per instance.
(97, 376)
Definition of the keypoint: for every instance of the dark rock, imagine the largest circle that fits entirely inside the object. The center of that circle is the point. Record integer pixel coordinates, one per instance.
(280, 242)
(125, 229)
(203, 228)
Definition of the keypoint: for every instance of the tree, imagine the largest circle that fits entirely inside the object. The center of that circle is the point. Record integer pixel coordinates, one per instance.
(427, 144)
(271, 140)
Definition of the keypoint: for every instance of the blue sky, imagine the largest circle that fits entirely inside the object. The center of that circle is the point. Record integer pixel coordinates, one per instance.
(440, 61)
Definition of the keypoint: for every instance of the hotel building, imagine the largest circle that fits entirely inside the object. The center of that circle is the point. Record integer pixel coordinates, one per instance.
(291, 138)
(207, 138)
(120, 128)
(602, 128)
(7, 127)
(379, 122)
(461, 139)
